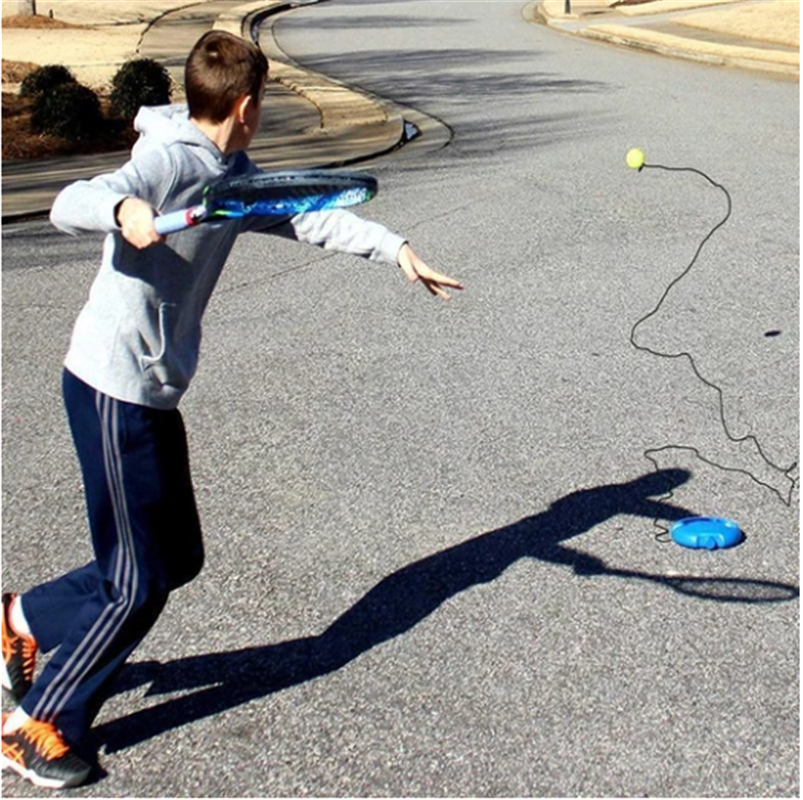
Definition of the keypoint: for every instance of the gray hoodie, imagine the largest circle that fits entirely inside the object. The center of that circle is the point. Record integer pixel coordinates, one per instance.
(138, 336)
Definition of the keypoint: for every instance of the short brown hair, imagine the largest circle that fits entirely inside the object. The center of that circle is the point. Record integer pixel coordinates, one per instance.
(220, 69)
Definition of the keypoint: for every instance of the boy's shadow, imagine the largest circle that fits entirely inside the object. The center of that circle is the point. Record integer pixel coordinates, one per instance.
(402, 600)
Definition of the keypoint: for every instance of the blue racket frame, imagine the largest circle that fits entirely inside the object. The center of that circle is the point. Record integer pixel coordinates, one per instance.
(283, 194)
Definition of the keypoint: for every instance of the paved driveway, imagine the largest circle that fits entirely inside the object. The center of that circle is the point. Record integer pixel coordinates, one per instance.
(433, 560)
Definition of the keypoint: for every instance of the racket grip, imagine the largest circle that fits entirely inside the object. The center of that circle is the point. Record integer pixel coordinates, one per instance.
(175, 221)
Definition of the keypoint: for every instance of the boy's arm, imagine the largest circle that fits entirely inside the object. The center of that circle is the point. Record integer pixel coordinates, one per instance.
(119, 201)
(87, 206)
(345, 231)
(104, 210)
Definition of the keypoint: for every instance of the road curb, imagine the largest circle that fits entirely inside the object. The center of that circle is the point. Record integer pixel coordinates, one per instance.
(340, 107)
(666, 44)
(777, 62)
(345, 113)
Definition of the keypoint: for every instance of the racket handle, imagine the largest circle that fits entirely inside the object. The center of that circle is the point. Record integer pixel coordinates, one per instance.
(177, 220)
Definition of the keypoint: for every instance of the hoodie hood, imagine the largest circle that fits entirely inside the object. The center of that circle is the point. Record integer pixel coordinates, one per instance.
(171, 125)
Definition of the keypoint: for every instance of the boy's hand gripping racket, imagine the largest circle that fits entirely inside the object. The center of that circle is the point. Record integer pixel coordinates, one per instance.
(272, 194)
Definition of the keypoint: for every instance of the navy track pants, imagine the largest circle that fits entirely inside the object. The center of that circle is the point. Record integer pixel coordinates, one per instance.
(146, 537)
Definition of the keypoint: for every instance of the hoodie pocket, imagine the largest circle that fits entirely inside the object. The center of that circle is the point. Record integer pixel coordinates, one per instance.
(173, 362)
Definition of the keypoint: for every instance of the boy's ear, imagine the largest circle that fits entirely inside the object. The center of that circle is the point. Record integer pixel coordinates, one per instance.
(242, 106)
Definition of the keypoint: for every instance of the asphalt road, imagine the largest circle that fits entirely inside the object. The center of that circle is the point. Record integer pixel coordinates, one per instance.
(432, 558)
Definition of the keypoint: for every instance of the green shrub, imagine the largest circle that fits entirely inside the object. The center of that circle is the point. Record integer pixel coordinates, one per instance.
(45, 79)
(140, 82)
(71, 111)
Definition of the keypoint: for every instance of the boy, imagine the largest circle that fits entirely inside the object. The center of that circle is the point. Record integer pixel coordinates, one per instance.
(133, 352)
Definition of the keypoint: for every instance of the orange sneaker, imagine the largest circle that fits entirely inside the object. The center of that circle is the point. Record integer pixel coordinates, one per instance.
(38, 752)
(19, 656)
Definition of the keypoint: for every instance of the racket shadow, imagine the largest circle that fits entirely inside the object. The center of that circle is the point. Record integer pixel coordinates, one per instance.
(212, 683)
(722, 590)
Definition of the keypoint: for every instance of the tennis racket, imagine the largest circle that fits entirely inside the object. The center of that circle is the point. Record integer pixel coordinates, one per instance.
(272, 194)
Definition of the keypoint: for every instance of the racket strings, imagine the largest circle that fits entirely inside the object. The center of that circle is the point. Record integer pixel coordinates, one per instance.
(272, 194)
(650, 453)
(272, 197)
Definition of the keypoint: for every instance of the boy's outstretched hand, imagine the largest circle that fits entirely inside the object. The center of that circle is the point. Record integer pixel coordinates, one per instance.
(416, 270)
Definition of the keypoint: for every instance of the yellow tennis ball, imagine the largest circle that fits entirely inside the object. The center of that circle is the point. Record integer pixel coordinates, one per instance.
(635, 158)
